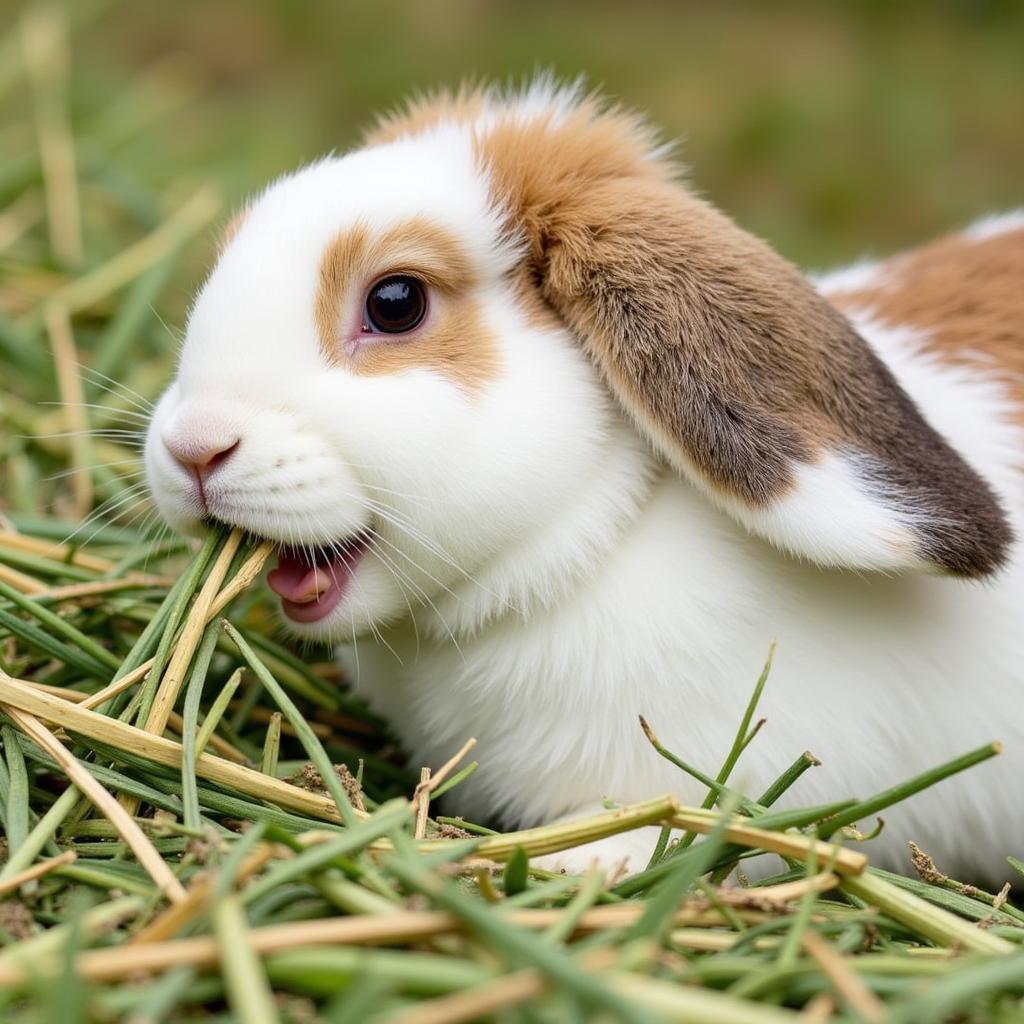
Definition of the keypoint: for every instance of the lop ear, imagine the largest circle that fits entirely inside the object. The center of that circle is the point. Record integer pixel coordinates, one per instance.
(748, 382)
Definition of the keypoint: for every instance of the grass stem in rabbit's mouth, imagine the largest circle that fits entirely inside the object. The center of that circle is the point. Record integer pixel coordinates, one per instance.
(312, 580)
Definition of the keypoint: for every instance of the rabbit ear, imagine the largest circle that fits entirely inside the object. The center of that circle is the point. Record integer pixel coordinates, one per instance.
(749, 383)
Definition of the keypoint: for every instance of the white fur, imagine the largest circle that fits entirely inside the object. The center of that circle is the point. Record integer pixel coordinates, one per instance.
(862, 274)
(995, 224)
(860, 532)
(541, 578)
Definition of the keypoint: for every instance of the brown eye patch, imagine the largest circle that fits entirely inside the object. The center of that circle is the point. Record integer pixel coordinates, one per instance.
(387, 273)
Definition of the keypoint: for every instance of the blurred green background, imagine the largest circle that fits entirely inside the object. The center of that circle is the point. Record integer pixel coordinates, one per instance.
(831, 128)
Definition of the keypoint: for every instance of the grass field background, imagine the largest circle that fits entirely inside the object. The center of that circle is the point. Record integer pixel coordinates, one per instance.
(831, 128)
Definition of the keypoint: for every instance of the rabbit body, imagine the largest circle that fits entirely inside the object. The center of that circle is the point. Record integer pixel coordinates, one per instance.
(881, 677)
(558, 445)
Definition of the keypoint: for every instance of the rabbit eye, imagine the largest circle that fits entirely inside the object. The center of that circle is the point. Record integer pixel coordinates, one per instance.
(395, 305)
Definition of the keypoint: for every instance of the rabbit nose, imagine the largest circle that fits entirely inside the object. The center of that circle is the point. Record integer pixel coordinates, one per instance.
(201, 458)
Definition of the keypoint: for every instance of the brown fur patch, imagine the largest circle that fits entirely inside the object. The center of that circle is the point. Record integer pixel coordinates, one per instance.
(426, 112)
(718, 347)
(968, 296)
(536, 310)
(453, 343)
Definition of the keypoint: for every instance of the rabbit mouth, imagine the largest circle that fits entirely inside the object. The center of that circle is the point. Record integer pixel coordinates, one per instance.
(312, 580)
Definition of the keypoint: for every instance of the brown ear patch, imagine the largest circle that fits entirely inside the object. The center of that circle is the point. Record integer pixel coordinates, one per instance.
(454, 342)
(965, 295)
(718, 347)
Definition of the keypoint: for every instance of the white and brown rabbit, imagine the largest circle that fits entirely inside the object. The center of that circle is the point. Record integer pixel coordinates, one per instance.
(555, 443)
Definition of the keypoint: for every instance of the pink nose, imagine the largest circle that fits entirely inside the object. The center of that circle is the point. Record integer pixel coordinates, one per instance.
(201, 458)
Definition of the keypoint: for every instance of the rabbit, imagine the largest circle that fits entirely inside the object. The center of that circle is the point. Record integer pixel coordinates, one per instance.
(547, 442)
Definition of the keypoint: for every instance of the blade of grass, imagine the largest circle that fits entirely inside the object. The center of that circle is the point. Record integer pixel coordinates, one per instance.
(389, 816)
(193, 695)
(53, 551)
(249, 993)
(586, 896)
(428, 784)
(170, 616)
(790, 948)
(900, 792)
(298, 722)
(854, 992)
(54, 648)
(788, 778)
(112, 345)
(99, 699)
(458, 777)
(748, 837)
(72, 397)
(59, 625)
(216, 712)
(271, 745)
(680, 880)
(41, 566)
(291, 672)
(22, 854)
(16, 811)
(713, 785)
(21, 581)
(973, 908)
(110, 778)
(243, 578)
(742, 738)
(47, 58)
(561, 836)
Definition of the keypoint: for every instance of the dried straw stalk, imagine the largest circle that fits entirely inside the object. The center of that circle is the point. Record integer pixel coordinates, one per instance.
(44, 867)
(395, 928)
(126, 826)
(17, 694)
(191, 634)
